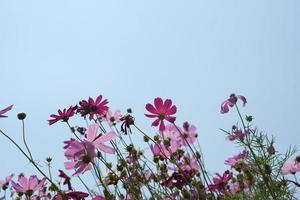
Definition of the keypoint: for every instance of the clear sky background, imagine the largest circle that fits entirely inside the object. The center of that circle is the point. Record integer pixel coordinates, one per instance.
(55, 53)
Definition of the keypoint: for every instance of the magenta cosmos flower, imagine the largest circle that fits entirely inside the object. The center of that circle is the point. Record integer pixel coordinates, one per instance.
(231, 101)
(220, 182)
(291, 166)
(93, 135)
(162, 110)
(91, 107)
(63, 115)
(28, 186)
(5, 110)
(80, 154)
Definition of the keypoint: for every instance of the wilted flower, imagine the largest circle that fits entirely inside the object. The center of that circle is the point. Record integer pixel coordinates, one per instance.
(231, 101)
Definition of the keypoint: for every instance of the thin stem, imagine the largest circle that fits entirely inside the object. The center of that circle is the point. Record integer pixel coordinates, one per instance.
(24, 140)
(30, 160)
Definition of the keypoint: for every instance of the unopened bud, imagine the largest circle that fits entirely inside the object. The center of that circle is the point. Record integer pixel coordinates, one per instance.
(21, 116)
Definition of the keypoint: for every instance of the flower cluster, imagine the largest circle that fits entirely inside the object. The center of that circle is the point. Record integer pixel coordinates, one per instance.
(169, 166)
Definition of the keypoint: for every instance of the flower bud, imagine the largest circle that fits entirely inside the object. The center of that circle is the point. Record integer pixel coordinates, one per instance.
(21, 116)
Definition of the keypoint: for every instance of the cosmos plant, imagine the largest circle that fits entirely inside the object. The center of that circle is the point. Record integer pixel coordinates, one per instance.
(110, 164)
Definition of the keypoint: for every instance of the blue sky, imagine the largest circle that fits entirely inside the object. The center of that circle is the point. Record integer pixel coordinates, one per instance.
(55, 53)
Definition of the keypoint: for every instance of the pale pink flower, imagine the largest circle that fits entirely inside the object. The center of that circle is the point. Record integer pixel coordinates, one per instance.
(161, 150)
(231, 101)
(235, 187)
(291, 166)
(162, 110)
(237, 159)
(5, 110)
(190, 164)
(28, 186)
(189, 135)
(171, 133)
(113, 118)
(80, 154)
(6, 181)
(93, 135)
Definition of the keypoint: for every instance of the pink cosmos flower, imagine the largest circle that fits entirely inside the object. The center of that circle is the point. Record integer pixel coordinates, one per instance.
(189, 135)
(80, 154)
(220, 182)
(113, 118)
(237, 159)
(162, 111)
(291, 166)
(231, 101)
(161, 151)
(28, 186)
(235, 187)
(91, 107)
(6, 181)
(5, 110)
(63, 115)
(93, 135)
(190, 164)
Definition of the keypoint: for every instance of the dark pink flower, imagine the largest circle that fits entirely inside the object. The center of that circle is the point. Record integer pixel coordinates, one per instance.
(28, 186)
(71, 196)
(91, 107)
(63, 115)
(231, 101)
(220, 182)
(67, 179)
(81, 156)
(5, 110)
(162, 111)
